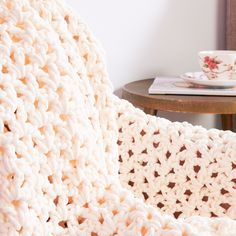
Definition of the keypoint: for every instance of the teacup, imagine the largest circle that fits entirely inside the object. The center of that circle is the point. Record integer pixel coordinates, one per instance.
(218, 64)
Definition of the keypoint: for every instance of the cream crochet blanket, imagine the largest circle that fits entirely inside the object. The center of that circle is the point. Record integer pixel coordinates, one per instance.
(59, 125)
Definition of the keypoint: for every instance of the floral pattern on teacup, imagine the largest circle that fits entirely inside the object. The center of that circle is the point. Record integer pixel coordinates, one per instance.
(211, 62)
(214, 68)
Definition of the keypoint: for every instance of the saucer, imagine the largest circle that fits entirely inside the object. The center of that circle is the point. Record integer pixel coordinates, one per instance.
(200, 79)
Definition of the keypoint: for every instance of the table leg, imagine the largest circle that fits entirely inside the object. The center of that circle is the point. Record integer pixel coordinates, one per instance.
(227, 121)
(150, 111)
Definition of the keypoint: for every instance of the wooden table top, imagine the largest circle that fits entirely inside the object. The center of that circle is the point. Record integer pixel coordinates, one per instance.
(137, 93)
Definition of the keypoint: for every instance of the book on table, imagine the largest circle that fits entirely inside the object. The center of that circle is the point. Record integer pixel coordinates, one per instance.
(179, 86)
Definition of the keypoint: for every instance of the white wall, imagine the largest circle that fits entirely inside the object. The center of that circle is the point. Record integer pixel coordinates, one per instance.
(145, 38)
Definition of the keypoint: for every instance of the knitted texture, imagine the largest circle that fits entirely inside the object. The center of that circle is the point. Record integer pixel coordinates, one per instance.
(181, 169)
(58, 137)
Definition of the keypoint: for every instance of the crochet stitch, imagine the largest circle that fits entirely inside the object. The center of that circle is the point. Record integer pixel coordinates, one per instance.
(62, 132)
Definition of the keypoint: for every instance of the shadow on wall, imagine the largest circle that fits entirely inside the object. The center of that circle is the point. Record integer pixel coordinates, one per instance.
(221, 24)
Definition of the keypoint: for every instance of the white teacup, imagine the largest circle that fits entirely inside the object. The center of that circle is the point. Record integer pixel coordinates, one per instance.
(218, 64)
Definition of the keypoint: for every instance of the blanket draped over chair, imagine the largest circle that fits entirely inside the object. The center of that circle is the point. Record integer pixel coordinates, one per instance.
(71, 151)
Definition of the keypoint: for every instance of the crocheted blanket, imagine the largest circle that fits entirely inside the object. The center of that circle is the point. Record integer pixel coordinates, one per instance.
(58, 134)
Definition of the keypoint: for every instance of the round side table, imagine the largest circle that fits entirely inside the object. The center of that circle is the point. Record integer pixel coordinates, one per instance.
(137, 93)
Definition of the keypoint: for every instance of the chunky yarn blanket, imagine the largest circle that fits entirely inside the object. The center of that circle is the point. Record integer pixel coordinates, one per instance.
(63, 134)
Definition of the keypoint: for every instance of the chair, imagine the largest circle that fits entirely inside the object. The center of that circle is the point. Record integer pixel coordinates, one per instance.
(71, 151)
